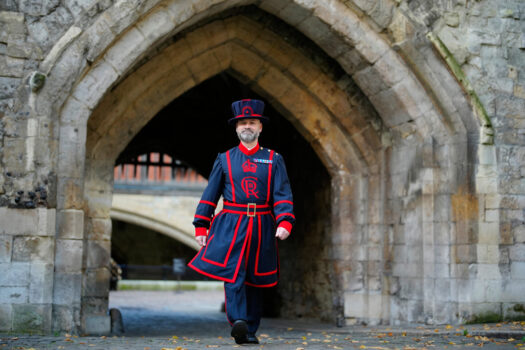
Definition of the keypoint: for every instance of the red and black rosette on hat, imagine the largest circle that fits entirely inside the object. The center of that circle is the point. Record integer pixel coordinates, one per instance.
(248, 108)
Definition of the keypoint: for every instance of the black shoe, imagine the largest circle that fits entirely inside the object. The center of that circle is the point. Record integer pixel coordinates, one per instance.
(239, 331)
(252, 339)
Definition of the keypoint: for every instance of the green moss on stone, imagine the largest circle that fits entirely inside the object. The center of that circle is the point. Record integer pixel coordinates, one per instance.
(519, 308)
(488, 317)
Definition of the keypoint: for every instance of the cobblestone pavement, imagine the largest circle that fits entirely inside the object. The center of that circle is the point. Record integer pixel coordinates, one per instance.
(192, 320)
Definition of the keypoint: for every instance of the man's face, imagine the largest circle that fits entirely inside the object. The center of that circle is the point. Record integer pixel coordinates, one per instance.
(248, 130)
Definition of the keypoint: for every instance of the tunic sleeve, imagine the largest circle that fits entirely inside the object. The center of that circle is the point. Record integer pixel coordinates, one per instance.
(209, 199)
(282, 196)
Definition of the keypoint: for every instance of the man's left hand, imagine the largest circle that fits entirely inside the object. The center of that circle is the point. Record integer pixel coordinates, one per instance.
(282, 233)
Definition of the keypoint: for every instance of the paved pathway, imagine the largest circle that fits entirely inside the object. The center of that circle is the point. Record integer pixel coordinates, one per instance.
(192, 320)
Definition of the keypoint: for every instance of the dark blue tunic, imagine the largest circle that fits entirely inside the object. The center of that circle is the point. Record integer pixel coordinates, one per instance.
(257, 199)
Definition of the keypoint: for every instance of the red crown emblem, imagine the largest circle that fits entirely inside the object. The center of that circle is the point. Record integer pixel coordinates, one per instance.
(249, 166)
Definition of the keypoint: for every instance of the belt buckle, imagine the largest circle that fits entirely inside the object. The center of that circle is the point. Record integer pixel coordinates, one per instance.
(251, 213)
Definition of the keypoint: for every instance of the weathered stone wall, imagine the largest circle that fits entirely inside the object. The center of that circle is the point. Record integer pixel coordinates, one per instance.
(427, 218)
(488, 40)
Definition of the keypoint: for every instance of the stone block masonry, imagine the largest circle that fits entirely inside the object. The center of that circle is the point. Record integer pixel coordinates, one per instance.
(27, 250)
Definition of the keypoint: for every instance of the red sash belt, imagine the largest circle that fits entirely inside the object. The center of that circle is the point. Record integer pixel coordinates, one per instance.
(249, 209)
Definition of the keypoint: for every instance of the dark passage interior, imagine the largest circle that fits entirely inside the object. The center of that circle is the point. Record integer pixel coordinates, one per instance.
(193, 129)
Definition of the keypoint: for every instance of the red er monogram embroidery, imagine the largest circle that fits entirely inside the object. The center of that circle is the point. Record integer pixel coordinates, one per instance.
(249, 186)
(249, 166)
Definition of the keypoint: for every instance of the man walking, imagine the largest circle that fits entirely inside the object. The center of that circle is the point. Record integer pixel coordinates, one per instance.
(239, 245)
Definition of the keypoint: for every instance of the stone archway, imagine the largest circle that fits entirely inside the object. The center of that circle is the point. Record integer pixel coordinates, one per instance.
(307, 115)
(355, 146)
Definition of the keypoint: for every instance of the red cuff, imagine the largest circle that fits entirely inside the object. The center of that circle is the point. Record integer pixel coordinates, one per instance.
(286, 225)
(200, 231)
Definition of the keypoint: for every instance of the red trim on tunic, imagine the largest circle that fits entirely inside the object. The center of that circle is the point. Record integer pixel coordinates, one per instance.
(208, 202)
(283, 201)
(247, 151)
(256, 272)
(209, 274)
(245, 205)
(286, 225)
(249, 233)
(269, 175)
(289, 214)
(230, 173)
(225, 262)
(190, 264)
(200, 231)
(203, 217)
(261, 285)
(244, 212)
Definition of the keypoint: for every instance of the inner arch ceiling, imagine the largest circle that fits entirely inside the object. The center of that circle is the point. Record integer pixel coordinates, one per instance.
(260, 58)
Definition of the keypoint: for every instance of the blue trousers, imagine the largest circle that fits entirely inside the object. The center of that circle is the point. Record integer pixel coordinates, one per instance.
(243, 302)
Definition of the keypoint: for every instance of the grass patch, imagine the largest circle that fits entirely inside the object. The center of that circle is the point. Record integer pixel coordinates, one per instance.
(144, 285)
(157, 287)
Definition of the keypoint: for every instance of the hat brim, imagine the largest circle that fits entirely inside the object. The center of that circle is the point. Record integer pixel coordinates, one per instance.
(262, 118)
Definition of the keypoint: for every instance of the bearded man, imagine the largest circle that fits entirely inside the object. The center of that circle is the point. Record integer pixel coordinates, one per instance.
(239, 244)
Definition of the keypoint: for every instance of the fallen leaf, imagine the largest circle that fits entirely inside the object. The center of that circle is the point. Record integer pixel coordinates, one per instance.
(362, 347)
(448, 326)
(147, 348)
(299, 349)
(289, 329)
(436, 330)
(511, 339)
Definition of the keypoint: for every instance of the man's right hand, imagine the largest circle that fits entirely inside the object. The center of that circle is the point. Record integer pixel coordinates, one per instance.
(201, 240)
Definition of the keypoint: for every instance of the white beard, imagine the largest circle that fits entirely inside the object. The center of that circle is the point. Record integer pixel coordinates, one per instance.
(248, 136)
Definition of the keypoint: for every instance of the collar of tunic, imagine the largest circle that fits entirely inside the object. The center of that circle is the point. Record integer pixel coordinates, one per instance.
(247, 151)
